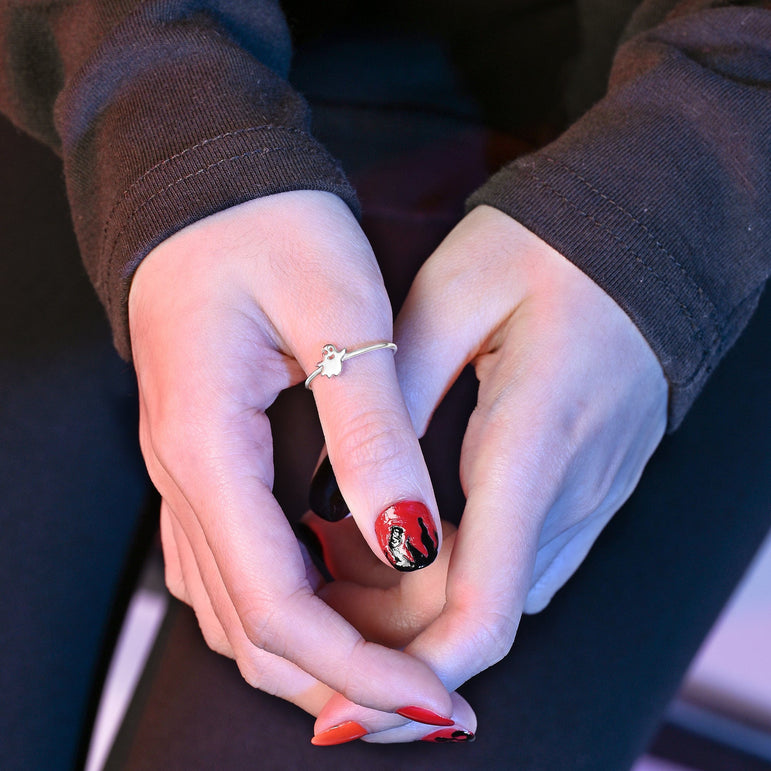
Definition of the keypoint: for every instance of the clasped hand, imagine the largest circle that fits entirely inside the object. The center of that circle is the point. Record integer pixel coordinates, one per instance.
(572, 402)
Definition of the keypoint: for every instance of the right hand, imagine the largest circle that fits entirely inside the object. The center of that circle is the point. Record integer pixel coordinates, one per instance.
(224, 315)
(572, 401)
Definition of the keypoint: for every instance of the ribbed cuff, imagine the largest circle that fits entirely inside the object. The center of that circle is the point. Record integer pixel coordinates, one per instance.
(208, 177)
(617, 251)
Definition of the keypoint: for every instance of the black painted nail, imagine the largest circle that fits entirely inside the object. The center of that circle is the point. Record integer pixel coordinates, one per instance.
(310, 540)
(325, 498)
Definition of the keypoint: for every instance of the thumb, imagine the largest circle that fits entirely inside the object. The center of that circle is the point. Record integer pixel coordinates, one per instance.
(458, 299)
(375, 468)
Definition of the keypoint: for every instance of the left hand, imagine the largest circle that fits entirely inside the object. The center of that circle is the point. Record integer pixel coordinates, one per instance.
(572, 403)
(224, 315)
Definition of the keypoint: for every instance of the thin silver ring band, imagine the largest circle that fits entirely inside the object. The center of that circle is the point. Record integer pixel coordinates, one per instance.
(332, 362)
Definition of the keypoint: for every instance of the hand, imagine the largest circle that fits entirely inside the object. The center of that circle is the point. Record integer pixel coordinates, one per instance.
(571, 404)
(223, 316)
(386, 606)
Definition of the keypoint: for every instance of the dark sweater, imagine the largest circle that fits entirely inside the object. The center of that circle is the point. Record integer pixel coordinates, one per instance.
(167, 111)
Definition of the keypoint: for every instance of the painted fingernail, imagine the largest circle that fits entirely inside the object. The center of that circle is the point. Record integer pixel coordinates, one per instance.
(448, 735)
(339, 734)
(311, 541)
(423, 715)
(407, 535)
(325, 498)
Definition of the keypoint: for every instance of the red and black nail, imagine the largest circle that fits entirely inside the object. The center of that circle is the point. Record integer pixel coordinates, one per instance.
(449, 735)
(407, 535)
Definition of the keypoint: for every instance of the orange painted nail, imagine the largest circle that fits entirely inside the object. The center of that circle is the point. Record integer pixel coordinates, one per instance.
(422, 715)
(339, 734)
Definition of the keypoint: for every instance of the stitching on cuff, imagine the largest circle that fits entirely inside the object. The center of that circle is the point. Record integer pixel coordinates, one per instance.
(260, 151)
(182, 153)
(645, 229)
(705, 348)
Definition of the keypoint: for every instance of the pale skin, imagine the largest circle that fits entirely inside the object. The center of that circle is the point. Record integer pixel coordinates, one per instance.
(572, 402)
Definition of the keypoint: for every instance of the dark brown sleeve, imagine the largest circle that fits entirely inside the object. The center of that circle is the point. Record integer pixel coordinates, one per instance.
(164, 112)
(661, 192)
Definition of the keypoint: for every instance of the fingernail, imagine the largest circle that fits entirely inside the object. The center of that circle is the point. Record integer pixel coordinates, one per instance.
(407, 535)
(339, 734)
(422, 715)
(325, 498)
(311, 541)
(447, 735)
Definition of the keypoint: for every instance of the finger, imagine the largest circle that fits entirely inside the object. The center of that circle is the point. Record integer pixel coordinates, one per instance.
(494, 551)
(440, 332)
(245, 534)
(491, 566)
(392, 615)
(347, 555)
(175, 583)
(372, 446)
(488, 578)
(313, 567)
(454, 734)
(381, 728)
(230, 519)
(261, 669)
(213, 632)
(536, 458)
(492, 562)
(463, 728)
(377, 461)
(209, 445)
(512, 468)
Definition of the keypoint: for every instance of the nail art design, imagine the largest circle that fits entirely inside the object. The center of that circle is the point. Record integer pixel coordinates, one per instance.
(407, 535)
(339, 734)
(325, 498)
(423, 715)
(449, 735)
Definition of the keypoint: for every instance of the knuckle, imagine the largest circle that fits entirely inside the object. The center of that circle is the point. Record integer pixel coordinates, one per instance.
(216, 639)
(257, 623)
(268, 624)
(539, 597)
(353, 688)
(269, 621)
(489, 633)
(588, 500)
(371, 443)
(169, 435)
(494, 634)
(367, 299)
(176, 587)
(361, 305)
(251, 670)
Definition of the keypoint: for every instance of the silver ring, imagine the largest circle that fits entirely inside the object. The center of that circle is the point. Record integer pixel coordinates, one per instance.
(331, 363)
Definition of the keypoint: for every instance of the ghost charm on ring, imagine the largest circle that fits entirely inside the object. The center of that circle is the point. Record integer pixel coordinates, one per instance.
(331, 363)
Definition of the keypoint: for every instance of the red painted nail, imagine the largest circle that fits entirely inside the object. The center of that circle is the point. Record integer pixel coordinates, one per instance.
(407, 535)
(339, 734)
(422, 715)
(448, 735)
